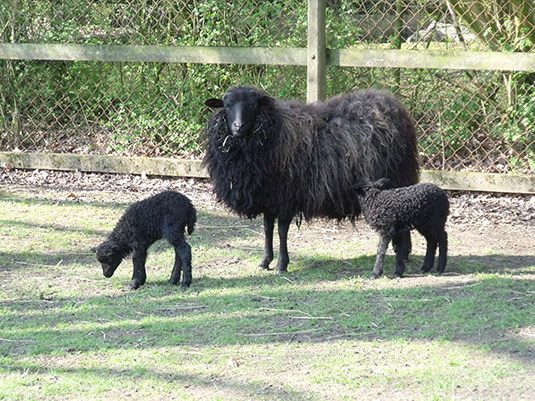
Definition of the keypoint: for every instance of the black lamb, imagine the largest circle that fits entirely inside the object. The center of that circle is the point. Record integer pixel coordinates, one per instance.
(393, 212)
(284, 158)
(162, 216)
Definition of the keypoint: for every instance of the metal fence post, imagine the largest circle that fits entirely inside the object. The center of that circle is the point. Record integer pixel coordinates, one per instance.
(316, 51)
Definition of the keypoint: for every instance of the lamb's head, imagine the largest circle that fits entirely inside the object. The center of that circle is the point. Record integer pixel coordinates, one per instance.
(366, 184)
(242, 106)
(109, 255)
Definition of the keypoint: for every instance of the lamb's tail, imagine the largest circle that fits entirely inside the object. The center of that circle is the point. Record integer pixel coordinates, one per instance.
(191, 219)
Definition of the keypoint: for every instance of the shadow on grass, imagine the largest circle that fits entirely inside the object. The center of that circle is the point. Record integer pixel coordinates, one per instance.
(306, 305)
(192, 384)
(300, 306)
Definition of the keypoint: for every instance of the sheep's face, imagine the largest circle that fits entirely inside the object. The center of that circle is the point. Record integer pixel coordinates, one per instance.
(242, 106)
(109, 257)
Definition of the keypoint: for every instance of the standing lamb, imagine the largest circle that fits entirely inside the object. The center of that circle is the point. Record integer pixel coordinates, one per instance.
(392, 212)
(284, 158)
(162, 216)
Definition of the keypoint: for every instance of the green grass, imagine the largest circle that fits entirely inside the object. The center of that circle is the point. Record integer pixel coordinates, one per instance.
(322, 331)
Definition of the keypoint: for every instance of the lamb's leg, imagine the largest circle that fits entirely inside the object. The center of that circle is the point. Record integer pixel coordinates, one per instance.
(184, 252)
(442, 252)
(284, 258)
(177, 268)
(399, 244)
(381, 251)
(139, 276)
(429, 259)
(406, 244)
(269, 225)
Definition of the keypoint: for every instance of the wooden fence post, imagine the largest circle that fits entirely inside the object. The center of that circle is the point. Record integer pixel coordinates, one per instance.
(316, 51)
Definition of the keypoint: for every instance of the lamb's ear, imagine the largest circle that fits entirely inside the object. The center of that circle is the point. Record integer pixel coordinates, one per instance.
(359, 187)
(214, 103)
(94, 249)
(382, 183)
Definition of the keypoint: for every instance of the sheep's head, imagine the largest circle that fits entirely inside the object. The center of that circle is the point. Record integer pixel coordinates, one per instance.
(242, 106)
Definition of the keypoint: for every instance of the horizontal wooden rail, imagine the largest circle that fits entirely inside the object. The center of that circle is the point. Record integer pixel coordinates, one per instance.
(455, 60)
(451, 180)
(156, 54)
(154, 166)
(448, 60)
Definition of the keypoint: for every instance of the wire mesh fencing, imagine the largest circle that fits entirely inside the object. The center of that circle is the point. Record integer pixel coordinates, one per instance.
(468, 120)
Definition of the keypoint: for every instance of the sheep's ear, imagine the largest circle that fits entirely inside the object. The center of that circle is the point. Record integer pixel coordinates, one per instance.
(266, 101)
(214, 103)
(94, 249)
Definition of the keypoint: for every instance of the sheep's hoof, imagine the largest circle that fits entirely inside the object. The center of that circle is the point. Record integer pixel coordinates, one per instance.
(281, 271)
(264, 264)
(374, 276)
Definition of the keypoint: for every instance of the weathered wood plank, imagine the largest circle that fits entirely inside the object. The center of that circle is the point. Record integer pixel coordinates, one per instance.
(105, 164)
(458, 60)
(485, 182)
(316, 52)
(163, 54)
(452, 180)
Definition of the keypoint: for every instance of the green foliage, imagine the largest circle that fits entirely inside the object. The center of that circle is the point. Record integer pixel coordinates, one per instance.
(500, 24)
(518, 124)
(461, 118)
(157, 109)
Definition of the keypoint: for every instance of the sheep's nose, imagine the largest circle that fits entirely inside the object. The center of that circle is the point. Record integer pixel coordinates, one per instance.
(239, 128)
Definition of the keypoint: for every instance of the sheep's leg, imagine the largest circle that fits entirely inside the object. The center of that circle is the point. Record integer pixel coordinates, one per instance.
(284, 258)
(269, 226)
(429, 259)
(399, 243)
(182, 262)
(381, 251)
(139, 276)
(442, 252)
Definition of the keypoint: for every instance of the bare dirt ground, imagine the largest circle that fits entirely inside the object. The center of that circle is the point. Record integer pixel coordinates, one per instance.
(497, 230)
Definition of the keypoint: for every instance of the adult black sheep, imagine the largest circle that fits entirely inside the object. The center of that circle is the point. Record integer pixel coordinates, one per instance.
(284, 158)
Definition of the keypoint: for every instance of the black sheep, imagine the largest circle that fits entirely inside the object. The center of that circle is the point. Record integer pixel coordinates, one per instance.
(392, 212)
(162, 216)
(284, 158)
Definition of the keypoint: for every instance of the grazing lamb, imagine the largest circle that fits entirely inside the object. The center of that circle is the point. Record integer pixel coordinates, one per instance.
(162, 216)
(392, 212)
(284, 158)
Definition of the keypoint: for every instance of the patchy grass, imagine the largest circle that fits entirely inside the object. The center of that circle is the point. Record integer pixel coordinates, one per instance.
(322, 331)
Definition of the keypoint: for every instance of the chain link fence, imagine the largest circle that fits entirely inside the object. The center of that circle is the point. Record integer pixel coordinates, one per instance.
(468, 120)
